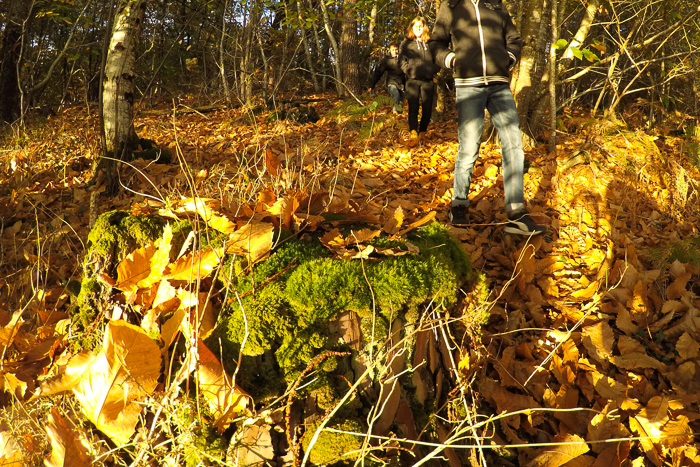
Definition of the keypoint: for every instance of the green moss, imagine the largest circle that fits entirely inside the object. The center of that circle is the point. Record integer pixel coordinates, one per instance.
(208, 447)
(290, 314)
(685, 251)
(261, 322)
(116, 234)
(332, 447)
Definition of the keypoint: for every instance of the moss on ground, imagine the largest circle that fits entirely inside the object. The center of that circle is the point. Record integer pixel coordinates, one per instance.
(332, 447)
(289, 314)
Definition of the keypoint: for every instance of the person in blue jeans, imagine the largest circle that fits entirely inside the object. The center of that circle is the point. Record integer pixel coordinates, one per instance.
(395, 79)
(485, 46)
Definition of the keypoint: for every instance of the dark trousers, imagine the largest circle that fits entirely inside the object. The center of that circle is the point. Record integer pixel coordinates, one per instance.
(424, 90)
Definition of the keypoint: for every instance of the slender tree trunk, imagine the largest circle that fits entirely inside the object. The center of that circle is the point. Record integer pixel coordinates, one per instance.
(222, 56)
(336, 51)
(118, 94)
(553, 81)
(523, 86)
(319, 55)
(307, 50)
(350, 49)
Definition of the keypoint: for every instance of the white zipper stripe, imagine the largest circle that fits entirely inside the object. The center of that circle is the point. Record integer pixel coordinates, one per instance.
(481, 38)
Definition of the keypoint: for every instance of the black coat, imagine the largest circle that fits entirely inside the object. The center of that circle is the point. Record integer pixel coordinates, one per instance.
(463, 23)
(394, 75)
(416, 60)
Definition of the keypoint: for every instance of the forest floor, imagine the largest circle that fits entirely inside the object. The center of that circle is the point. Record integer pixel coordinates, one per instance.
(592, 341)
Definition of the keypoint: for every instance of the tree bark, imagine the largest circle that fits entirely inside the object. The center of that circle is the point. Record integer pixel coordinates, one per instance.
(336, 50)
(118, 93)
(349, 48)
(523, 86)
(307, 49)
(10, 54)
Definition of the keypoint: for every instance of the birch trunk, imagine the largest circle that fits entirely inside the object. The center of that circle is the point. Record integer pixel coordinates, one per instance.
(118, 93)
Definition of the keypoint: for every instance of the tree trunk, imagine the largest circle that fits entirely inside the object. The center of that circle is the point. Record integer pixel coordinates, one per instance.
(349, 48)
(553, 81)
(118, 93)
(336, 51)
(10, 53)
(222, 56)
(523, 86)
(307, 49)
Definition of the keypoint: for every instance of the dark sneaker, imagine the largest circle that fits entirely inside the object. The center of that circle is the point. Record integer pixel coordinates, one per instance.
(458, 215)
(520, 223)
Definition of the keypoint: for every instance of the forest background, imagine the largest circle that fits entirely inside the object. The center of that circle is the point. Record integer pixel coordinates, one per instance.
(599, 319)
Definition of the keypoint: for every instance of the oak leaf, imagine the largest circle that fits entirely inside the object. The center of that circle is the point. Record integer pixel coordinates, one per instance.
(394, 223)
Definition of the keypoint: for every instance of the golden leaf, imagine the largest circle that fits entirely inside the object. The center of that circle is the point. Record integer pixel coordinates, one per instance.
(686, 347)
(135, 268)
(422, 221)
(67, 449)
(572, 447)
(283, 209)
(254, 240)
(226, 401)
(394, 223)
(626, 344)
(70, 370)
(677, 289)
(639, 302)
(637, 360)
(677, 433)
(333, 239)
(363, 235)
(194, 266)
(607, 387)
(587, 293)
(599, 339)
(124, 373)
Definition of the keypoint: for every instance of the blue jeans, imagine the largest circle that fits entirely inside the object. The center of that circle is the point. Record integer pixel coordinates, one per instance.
(471, 102)
(397, 96)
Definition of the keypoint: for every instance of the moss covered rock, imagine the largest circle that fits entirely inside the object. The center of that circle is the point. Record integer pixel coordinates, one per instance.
(290, 314)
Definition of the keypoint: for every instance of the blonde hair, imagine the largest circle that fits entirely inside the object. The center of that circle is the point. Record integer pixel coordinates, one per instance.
(426, 34)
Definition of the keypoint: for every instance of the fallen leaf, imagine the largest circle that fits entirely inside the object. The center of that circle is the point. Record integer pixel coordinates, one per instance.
(254, 240)
(194, 266)
(394, 223)
(572, 447)
(687, 347)
(599, 340)
(67, 449)
(122, 375)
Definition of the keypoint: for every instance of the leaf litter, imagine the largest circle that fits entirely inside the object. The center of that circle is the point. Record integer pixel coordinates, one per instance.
(596, 318)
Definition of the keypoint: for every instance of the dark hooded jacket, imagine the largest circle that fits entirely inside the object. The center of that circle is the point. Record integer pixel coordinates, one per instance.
(485, 42)
(394, 75)
(416, 60)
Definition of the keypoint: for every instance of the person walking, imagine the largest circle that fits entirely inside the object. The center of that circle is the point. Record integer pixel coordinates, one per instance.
(419, 67)
(485, 46)
(395, 79)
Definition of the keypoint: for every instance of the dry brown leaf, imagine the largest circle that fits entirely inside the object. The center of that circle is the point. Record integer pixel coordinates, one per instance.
(207, 208)
(67, 449)
(363, 235)
(677, 289)
(599, 340)
(607, 387)
(627, 344)
(638, 302)
(124, 373)
(613, 455)
(394, 223)
(194, 266)
(554, 456)
(637, 360)
(687, 347)
(588, 292)
(225, 400)
(10, 452)
(254, 240)
(422, 221)
(284, 208)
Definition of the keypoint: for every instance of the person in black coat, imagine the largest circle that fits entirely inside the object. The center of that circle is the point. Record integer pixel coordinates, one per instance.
(395, 79)
(417, 64)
